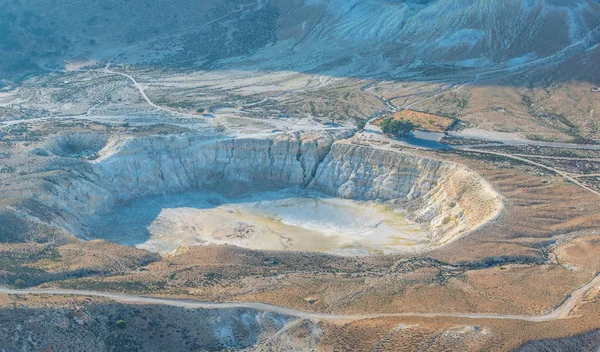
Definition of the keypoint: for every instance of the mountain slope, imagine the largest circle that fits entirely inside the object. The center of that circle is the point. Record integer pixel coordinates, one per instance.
(350, 37)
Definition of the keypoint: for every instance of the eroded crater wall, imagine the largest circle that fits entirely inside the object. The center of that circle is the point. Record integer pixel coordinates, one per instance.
(448, 196)
(451, 198)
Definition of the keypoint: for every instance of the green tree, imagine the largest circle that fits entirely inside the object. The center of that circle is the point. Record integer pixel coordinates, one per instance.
(396, 128)
(360, 123)
(121, 324)
(19, 283)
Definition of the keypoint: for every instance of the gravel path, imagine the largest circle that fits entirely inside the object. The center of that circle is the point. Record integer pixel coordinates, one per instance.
(560, 312)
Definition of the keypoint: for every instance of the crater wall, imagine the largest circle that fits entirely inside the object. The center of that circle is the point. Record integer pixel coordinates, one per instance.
(451, 198)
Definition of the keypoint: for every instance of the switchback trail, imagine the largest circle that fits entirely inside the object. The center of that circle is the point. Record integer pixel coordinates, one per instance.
(560, 312)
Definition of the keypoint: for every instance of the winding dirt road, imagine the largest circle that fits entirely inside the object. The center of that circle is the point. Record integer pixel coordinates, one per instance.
(139, 87)
(560, 312)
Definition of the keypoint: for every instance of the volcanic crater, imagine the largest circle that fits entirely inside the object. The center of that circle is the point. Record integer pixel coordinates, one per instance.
(303, 191)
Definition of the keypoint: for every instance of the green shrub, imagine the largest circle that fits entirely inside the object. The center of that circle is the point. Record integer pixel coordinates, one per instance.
(120, 324)
(360, 124)
(19, 283)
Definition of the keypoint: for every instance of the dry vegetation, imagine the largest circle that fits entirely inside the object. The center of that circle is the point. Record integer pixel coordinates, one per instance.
(59, 323)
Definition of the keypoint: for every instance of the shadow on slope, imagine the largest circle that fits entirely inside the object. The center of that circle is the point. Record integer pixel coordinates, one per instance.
(361, 39)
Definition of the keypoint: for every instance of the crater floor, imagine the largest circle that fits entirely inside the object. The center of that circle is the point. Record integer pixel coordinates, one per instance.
(283, 220)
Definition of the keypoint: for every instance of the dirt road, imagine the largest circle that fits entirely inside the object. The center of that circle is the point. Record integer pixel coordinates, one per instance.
(559, 312)
(566, 175)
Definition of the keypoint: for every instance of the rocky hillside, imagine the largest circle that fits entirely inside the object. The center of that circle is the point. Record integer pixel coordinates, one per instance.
(356, 37)
(85, 326)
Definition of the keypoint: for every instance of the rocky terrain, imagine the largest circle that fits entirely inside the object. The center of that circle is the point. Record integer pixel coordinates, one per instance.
(308, 35)
(63, 173)
(92, 325)
(244, 135)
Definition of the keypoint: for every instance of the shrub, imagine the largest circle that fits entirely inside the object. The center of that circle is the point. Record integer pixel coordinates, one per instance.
(120, 324)
(360, 124)
(19, 283)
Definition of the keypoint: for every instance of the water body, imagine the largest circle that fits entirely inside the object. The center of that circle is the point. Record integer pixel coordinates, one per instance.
(273, 221)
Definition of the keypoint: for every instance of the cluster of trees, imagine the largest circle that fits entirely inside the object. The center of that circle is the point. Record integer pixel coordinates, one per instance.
(396, 128)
